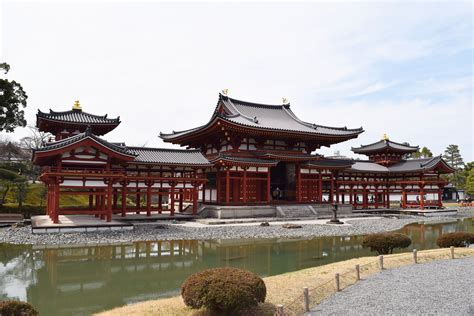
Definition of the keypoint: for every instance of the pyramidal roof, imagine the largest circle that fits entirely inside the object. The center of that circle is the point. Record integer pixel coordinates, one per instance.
(385, 145)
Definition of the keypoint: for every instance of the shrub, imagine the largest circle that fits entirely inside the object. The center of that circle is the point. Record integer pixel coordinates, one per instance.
(17, 308)
(223, 291)
(384, 243)
(457, 239)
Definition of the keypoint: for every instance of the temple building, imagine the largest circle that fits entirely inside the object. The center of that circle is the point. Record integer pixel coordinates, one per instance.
(247, 154)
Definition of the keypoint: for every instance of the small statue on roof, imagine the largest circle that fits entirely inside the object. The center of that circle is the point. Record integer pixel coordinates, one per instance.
(225, 92)
(384, 137)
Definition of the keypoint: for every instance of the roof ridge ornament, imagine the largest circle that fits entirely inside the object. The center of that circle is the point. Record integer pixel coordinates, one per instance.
(285, 101)
(88, 130)
(225, 92)
(77, 106)
(385, 137)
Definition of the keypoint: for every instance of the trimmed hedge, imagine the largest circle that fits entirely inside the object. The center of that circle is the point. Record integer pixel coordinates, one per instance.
(384, 243)
(457, 239)
(17, 308)
(26, 210)
(224, 291)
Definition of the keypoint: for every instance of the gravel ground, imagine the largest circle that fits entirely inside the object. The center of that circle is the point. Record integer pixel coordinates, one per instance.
(168, 231)
(435, 288)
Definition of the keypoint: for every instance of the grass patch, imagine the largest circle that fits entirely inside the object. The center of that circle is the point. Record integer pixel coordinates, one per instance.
(287, 288)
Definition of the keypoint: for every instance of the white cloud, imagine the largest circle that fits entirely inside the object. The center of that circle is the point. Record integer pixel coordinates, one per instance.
(160, 65)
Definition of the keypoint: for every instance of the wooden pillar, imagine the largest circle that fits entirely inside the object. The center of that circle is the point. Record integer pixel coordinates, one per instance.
(351, 196)
(331, 196)
(244, 186)
(195, 199)
(422, 197)
(364, 197)
(160, 200)
(404, 197)
(388, 196)
(91, 200)
(298, 182)
(376, 199)
(102, 205)
(148, 199)
(269, 197)
(227, 186)
(97, 204)
(181, 197)
(124, 199)
(320, 187)
(171, 198)
(109, 201)
(56, 203)
(440, 194)
(138, 197)
(115, 199)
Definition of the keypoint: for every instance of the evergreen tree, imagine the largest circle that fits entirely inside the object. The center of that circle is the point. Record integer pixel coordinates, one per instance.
(452, 155)
(12, 101)
(422, 153)
(470, 183)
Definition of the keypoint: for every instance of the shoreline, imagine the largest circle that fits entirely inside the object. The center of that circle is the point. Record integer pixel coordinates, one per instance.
(192, 231)
(286, 287)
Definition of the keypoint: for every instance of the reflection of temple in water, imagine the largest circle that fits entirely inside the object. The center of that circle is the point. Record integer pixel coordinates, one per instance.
(80, 280)
(86, 279)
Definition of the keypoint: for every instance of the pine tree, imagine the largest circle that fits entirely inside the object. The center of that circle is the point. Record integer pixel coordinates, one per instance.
(452, 155)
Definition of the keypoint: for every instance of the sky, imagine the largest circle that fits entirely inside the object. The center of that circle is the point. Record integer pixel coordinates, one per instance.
(400, 68)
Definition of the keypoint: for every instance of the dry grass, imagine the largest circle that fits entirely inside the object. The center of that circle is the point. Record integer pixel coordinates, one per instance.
(286, 289)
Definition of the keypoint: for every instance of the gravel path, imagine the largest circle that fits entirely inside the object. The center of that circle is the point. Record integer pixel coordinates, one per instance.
(169, 231)
(436, 288)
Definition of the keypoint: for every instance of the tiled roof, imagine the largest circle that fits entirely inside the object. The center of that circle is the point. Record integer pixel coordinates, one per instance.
(266, 117)
(245, 160)
(410, 165)
(331, 162)
(79, 137)
(169, 156)
(77, 117)
(384, 144)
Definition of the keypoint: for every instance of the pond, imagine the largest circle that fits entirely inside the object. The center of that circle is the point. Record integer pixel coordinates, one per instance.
(81, 280)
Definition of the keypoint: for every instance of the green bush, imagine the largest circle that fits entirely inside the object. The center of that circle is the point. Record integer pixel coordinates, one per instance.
(224, 291)
(457, 239)
(26, 210)
(17, 308)
(384, 243)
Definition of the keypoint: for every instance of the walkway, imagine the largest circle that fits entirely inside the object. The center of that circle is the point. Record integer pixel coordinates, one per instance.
(440, 287)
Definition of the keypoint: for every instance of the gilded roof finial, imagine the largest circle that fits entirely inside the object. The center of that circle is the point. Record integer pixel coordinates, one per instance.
(285, 101)
(225, 92)
(77, 106)
(385, 137)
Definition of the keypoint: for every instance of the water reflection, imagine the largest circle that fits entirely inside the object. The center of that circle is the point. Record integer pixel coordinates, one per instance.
(84, 279)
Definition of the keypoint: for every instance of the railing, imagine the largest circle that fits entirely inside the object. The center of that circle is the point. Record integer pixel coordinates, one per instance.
(311, 297)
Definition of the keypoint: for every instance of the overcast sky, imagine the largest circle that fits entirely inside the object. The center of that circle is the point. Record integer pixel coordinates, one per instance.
(401, 69)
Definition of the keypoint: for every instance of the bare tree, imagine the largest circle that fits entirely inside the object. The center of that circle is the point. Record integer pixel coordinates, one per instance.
(35, 139)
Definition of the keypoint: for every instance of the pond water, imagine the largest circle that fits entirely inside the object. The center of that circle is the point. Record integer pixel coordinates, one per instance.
(85, 279)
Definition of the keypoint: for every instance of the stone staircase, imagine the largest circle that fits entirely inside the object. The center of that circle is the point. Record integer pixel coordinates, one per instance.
(295, 211)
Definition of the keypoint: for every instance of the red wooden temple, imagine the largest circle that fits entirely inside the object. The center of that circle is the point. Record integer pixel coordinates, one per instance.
(247, 154)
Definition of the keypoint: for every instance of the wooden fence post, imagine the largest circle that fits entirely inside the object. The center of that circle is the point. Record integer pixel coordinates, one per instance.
(452, 252)
(280, 311)
(338, 284)
(358, 272)
(306, 299)
(415, 258)
(381, 262)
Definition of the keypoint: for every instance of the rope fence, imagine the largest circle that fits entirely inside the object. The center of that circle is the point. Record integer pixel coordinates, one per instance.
(310, 297)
